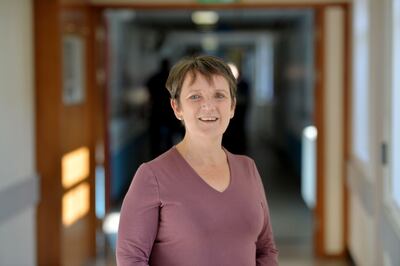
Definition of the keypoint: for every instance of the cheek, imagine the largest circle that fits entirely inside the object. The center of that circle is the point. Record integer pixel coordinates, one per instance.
(188, 110)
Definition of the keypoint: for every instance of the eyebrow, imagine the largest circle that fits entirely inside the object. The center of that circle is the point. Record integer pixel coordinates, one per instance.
(217, 90)
(193, 90)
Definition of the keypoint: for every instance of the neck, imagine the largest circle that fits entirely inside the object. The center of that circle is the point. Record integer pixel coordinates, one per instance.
(205, 151)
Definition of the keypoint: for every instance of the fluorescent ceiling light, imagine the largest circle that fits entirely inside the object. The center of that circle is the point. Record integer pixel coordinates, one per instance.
(111, 223)
(205, 17)
(310, 132)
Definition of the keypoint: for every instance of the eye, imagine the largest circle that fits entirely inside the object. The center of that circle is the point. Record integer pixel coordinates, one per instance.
(194, 97)
(220, 96)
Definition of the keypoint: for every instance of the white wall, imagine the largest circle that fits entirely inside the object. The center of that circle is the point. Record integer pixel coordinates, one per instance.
(374, 234)
(18, 184)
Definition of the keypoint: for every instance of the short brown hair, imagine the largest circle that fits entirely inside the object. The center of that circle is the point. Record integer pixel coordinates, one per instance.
(206, 65)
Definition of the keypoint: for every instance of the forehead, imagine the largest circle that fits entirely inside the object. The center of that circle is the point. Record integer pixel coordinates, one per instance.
(196, 80)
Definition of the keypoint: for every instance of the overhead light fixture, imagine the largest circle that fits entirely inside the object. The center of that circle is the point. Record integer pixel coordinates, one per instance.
(111, 223)
(205, 17)
(209, 43)
(310, 132)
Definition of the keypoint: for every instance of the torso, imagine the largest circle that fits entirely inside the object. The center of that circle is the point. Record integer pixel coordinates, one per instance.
(216, 176)
(196, 219)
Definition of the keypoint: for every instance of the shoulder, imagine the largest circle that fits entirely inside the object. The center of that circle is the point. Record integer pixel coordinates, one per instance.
(242, 158)
(241, 162)
(239, 158)
(161, 161)
(164, 160)
(150, 172)
(165, 165)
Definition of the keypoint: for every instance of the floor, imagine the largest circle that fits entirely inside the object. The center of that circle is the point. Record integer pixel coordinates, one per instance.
(291, 219)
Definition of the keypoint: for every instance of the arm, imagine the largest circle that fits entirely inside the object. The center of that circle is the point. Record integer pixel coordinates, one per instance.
(266, 251)
(138, 223)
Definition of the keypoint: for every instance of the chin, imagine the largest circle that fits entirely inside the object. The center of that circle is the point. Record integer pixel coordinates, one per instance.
(212, 133)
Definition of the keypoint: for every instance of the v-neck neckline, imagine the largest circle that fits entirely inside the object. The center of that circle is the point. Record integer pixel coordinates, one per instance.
(200, 179)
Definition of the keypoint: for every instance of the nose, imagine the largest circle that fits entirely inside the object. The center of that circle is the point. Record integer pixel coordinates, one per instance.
(208, 104)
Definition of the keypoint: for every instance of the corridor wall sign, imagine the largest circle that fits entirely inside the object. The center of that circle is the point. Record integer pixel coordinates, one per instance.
(73, 70)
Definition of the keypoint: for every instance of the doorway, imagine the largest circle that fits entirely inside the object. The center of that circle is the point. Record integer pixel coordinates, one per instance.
(282, 97)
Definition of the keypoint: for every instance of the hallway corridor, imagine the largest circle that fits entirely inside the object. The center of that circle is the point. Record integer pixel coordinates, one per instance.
(74, 114)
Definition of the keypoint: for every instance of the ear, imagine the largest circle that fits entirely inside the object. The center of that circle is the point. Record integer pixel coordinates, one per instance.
(233, 107)
(177, 110)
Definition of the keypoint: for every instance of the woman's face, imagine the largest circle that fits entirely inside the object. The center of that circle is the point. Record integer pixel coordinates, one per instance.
(205, 107)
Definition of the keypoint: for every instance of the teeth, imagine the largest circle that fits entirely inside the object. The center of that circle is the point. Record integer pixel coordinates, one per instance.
(208, 118)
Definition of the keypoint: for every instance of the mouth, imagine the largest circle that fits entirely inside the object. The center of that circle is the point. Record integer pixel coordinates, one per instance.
(208, 119)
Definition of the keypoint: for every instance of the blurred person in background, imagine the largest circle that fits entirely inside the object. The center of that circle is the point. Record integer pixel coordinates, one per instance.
(162, 122)
(197, 203)
(235, 137)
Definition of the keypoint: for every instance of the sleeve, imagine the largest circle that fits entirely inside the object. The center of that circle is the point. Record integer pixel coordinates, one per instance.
(266, 251)
(138, 223)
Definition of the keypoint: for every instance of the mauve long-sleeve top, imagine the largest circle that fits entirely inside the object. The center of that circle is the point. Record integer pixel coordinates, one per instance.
(171, 217)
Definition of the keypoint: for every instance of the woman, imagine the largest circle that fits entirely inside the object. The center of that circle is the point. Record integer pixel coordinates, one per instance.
(197, 204)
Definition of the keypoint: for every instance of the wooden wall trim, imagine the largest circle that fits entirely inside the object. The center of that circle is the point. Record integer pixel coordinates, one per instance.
(319, 214)
(47, 56)
(347, 120)
(319, 124)
(101, 95)
(95, 137)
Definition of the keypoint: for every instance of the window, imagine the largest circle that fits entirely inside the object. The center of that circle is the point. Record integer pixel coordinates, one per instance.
(395, 105)
(360, 82)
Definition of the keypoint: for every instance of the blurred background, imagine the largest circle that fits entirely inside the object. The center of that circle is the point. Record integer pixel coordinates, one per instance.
(83, 103)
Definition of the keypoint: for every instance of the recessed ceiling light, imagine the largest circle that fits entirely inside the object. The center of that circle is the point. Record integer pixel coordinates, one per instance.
(205, 17)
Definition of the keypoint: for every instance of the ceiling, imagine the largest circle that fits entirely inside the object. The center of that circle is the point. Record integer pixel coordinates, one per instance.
(238, 19)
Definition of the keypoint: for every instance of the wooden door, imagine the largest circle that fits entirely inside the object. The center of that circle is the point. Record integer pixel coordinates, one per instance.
(64, 132)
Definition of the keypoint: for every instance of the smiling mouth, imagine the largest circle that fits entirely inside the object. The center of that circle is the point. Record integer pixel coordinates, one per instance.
(208, 119)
